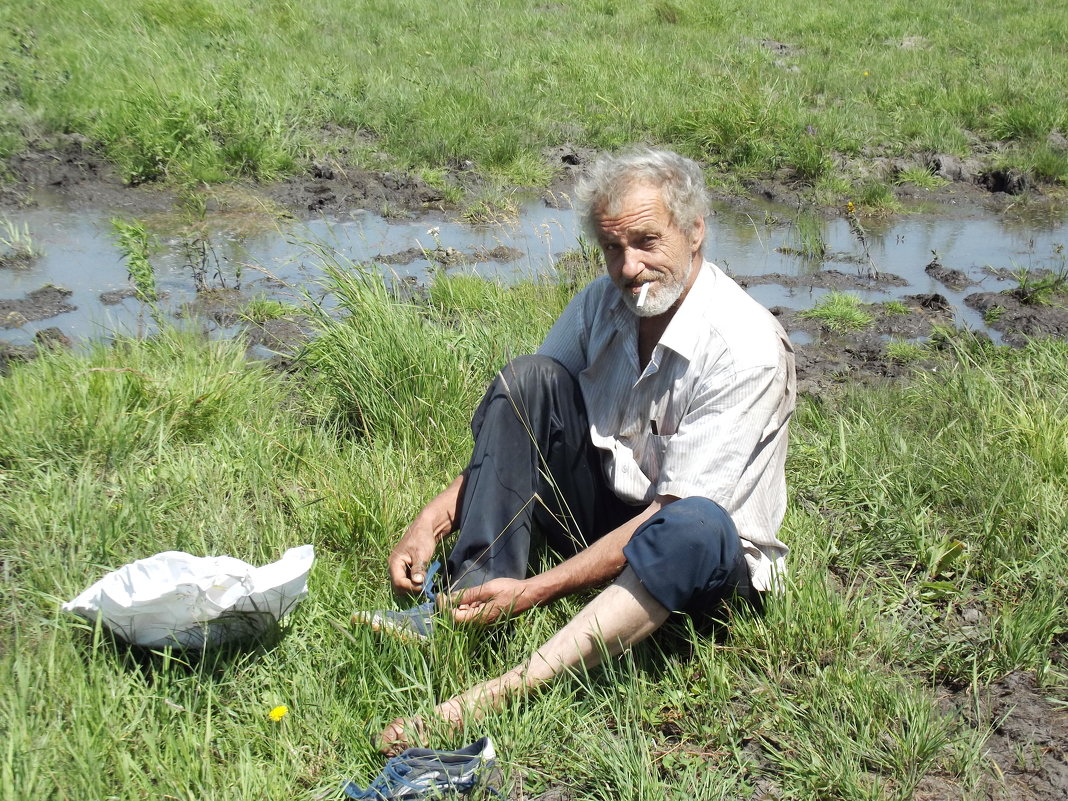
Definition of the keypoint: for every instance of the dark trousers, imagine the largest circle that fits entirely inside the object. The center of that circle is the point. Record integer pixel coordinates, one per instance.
(534, 470)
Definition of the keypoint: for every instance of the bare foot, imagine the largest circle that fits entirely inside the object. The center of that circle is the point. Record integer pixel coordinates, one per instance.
(402, 733)
(471, 706)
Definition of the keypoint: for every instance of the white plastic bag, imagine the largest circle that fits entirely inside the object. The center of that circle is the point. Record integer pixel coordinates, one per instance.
(177, 599)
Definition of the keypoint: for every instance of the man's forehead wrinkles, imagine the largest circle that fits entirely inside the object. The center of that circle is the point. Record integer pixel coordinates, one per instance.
(635, 223)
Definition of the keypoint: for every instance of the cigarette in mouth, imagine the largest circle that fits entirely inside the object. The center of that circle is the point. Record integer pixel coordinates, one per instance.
(642, 294)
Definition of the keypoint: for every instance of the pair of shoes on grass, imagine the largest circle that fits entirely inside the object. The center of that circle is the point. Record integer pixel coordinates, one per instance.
(415, 624)
(424, 773)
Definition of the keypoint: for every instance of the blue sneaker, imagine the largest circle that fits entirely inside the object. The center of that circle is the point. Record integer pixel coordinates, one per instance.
(420, 773)
(415, 624)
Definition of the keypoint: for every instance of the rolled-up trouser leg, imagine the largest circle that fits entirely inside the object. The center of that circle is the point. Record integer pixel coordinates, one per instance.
(532, 463)
(689, 557)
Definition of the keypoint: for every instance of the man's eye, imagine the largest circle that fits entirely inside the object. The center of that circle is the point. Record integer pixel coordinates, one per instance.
(610, 247)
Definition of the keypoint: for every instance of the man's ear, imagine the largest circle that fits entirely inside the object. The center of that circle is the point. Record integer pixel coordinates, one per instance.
(697, 235)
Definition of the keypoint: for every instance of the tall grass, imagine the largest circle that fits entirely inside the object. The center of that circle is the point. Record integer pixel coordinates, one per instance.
(208, 91)
(908, 504)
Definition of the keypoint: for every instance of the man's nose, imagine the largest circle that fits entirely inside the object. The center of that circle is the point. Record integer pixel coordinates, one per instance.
(633, 266)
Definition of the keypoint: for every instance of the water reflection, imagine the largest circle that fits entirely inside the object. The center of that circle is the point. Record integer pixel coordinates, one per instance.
(79, 254)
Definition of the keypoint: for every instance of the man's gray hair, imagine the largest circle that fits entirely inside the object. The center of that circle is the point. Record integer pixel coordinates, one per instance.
(680, 180)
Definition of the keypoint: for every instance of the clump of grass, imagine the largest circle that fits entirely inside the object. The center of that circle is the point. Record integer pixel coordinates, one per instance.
(993, 314)
(877, 198)
(260, 310)
(840, 312)
(905, 352)
(920, 177)
(17, 248)
(896, 307)
(491, 207)
(1040, 290)
(808, 237)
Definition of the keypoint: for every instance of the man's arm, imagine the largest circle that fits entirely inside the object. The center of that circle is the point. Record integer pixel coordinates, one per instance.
(409, 558)
(594, 566)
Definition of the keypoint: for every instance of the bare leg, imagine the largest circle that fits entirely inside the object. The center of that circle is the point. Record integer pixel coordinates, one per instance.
(622, 615)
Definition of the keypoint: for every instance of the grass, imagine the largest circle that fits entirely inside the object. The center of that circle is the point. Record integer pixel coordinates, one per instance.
(905, 352)
(211, 91)
(807, 237)
(17, 248)
(1041, 290)
(261, 309)
(840, 312)
(909, 503)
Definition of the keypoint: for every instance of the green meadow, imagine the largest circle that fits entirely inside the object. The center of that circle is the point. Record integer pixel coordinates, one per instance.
(187, 91)
(927, 519)
(914, 507)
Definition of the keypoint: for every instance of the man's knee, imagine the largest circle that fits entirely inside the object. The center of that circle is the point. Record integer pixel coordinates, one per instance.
(688, 550)
(531, 372)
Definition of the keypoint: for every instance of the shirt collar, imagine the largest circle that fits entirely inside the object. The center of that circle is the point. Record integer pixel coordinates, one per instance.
(683, 331)
(680, 333)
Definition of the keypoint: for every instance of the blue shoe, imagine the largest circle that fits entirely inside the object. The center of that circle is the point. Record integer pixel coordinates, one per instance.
(420, 773)
(415, 624)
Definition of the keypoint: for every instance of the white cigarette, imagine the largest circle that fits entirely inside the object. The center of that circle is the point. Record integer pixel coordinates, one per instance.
(642, 294)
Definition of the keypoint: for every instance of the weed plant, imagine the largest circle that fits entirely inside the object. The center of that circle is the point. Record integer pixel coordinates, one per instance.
(909, 504)
(133, 241)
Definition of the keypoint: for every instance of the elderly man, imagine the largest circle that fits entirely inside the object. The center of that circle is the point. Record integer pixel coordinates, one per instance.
(645, 443)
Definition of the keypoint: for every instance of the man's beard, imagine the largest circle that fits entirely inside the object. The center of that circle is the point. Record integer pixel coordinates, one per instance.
(661, 297)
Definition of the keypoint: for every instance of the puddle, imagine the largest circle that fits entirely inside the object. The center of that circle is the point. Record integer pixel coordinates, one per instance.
(79, 254)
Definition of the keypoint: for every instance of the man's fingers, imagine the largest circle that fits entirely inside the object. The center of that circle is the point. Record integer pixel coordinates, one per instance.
(418, 573)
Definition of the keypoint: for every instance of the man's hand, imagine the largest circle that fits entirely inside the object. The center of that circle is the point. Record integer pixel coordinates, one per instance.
(497, 598)
(408, 560)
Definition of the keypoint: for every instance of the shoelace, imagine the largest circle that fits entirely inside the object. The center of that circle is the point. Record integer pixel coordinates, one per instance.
(393, 778)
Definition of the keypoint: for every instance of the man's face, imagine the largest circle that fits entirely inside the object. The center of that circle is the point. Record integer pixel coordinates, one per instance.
(643, 246)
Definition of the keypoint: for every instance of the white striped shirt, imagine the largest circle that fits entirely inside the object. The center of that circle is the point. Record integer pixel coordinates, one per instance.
(708, 415)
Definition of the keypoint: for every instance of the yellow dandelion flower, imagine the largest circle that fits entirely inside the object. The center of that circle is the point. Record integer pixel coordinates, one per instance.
(278, 713)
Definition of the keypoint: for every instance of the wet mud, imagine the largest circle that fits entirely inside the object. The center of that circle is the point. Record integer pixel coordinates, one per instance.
(1028, 742)
(824, 279)
(48, 338)
(1017, 319)
(448, 257)
(332, 189)
(40, 304)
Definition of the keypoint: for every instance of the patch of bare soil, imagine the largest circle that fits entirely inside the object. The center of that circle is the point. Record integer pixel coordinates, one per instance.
(447, 257)
(823, 279)
(331, 189)
(48, 301)
(1028, 743)
(833, 358)
(1009, 313)
(569, 163)
(69, 164)
(947, 276)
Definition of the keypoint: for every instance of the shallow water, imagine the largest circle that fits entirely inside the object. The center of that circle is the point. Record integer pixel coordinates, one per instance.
(80, 255)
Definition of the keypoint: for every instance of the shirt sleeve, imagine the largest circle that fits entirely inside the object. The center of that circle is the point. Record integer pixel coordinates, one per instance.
(728, 436)
(568, 339)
